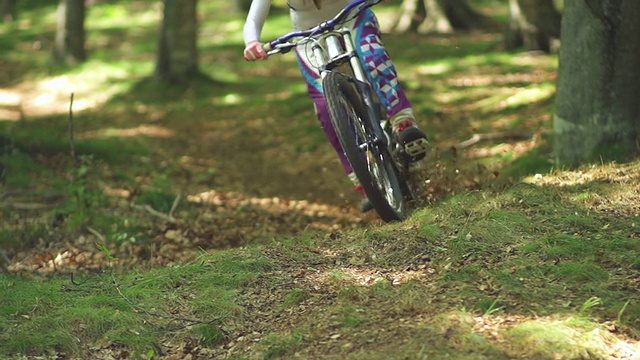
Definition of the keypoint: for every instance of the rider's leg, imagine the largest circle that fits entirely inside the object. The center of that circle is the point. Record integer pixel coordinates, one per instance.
(384, 77)
(314, 89)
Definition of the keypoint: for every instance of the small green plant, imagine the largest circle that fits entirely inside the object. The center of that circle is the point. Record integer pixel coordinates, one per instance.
(280, 346)
(590, 303)
(491, 309)
(208, 335)
(350, 317)
(351, 293)
(105, 250)
(621, 312)
(86, 197)
(295, 297)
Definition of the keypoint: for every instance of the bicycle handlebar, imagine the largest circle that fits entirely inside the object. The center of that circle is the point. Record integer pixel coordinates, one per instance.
(283, 45)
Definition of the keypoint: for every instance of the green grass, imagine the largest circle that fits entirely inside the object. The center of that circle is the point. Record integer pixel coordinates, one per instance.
(131, 309)
(497, 256)
(573, 338)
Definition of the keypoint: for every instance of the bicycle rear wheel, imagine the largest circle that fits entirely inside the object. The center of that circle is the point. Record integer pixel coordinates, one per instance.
(368, 155)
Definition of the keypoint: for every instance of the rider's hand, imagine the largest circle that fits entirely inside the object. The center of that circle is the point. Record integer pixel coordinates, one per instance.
(254, 51)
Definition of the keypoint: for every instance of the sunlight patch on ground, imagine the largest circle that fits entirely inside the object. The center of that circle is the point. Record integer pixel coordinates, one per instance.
(516, 150)
(435, 69)
(491, 80)
(229, 99)
(557, 338)
(145, 130)
(9, 99)
(513, 98)
(138, 13)
(363, 276)
(10, 107)
(610, 173)
(274, 205)
(93, 86)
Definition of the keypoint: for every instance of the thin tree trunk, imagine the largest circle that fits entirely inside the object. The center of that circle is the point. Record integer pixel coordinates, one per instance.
(7, 10)
(177, 60)
(412, 14)
(437, 20)
(70, 35)
(534, 24)
(438, 16)
(462, 16)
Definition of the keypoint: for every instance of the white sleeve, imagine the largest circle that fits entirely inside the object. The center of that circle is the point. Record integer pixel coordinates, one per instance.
(255, 20)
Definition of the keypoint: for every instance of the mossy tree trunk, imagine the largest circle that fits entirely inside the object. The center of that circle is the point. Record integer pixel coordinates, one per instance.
(438, 16)
(597, 108)
(177, 60)
(69, 45)
(534, 24)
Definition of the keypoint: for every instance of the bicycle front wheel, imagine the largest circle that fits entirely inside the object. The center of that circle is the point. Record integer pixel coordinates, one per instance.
(369, 157)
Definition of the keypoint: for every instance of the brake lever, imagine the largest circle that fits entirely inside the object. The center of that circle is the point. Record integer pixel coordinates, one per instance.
(277, 49)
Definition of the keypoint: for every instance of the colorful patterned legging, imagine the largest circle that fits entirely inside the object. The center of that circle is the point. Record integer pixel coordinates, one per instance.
(378, 66)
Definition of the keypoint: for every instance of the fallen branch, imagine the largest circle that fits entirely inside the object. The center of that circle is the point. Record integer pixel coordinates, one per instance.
(492, 136)
(16, 193)
(156, 213)
(29, 206)
(176, 201)
(96, 233)
(48, 201)
(71, 131)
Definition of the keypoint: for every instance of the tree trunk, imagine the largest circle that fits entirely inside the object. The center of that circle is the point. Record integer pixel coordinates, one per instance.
(597, 108)
(243, 5)
(177, 60)
(7, 10)
(462, 16)
(534, 24)
(436, 20)
(70, 35)
(438, 16)
(412, 14)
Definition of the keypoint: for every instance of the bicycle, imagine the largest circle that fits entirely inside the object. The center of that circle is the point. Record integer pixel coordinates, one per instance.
(378, 160)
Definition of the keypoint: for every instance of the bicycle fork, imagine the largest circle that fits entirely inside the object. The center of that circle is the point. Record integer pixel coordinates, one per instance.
(337, 43)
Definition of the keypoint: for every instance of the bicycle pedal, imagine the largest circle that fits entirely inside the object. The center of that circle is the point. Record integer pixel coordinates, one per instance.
(417, 148)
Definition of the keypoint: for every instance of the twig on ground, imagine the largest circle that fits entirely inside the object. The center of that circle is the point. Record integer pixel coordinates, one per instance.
(71, 130)
(96, 233)
(49, 201)
(156, 213)
(16, 193)
(176, 201)
(492, 136)
(28, 206)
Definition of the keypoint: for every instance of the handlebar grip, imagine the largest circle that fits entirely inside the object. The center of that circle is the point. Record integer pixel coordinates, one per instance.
(267, 47)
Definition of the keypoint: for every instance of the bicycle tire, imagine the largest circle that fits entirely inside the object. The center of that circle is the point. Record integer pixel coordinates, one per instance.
(373, 165)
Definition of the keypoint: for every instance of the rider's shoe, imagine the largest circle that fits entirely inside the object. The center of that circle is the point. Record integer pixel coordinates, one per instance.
(365, 203)
(413, 140)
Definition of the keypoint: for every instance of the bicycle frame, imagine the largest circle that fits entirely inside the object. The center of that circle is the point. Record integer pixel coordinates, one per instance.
(335, 55)
(362, 131)
(340, 49)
